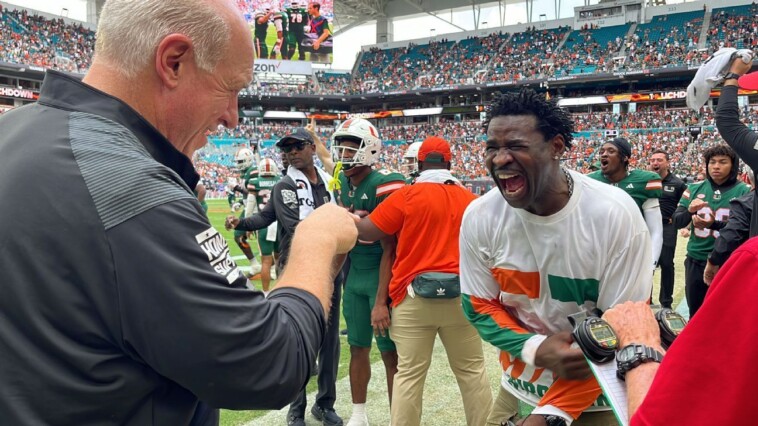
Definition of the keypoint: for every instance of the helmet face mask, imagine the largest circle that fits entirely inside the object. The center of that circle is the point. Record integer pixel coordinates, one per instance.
(244, 158)
(363, 140)
(267, 167)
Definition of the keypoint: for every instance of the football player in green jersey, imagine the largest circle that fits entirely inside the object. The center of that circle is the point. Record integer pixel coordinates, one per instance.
(356, 145)
(410, 162)
(706, 205)
(245, 160)
(280, 23)
(642, 185)
(298, 20)
(262, 18)
(260, 187)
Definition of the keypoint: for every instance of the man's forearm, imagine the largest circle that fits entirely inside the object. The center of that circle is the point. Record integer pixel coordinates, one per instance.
(638, 382)
(385, 270)
(310, 248)
(735, 133)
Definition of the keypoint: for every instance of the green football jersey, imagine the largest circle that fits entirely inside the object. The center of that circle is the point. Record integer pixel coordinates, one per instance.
(261, 30)
(702, 240)
(641, 185)
(363, 199)
(262, 185)
(298, 19)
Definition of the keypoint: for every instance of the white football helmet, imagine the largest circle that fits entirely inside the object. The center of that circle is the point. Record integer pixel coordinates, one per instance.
(244, 158)
(363, 133)
(267, 167)
(410, 158)
(295, 4)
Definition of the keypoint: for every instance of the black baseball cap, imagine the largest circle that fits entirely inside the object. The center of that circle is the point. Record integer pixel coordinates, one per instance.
(299, 134)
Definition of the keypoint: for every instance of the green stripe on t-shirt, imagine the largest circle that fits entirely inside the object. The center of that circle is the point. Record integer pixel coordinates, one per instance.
(577, 290)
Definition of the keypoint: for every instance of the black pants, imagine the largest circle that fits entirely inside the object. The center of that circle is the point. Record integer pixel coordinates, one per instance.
(694, 286)
(666, 262)
(328, 358)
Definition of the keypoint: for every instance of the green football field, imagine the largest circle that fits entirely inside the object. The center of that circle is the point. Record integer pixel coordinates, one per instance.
(217, 212)
(271, 41)
(219, 209)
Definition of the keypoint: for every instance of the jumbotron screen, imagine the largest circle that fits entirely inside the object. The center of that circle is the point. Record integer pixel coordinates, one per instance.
(297, 30)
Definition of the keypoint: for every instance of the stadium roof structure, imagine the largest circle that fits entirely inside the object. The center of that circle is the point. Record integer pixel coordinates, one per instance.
(351, 13)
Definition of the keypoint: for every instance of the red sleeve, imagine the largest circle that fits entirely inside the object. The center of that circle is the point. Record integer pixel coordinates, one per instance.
(707, 374)
(390, 213)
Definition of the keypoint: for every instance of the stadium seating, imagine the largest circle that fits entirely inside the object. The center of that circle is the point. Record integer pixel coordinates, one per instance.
(589, 50)
(526, 55)
(667, 40)
(734, 27)
(49, 43)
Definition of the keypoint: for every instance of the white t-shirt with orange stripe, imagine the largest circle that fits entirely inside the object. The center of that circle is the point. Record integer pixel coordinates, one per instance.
(522, 275)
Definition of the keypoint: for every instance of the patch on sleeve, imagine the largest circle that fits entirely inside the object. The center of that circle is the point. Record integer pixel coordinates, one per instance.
(289, 198)
(215, 247)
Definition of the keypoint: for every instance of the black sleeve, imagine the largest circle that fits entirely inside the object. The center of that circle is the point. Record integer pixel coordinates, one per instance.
(681, 217)
(717, 225)
(186, 314)
(285, 202)
(733, 234)
(259, 220)
(735, 133)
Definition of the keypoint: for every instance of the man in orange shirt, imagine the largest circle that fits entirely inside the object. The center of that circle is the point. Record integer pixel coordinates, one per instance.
(423, 288)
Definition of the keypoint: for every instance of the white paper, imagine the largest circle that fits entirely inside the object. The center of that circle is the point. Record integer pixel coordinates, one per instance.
(613, 388)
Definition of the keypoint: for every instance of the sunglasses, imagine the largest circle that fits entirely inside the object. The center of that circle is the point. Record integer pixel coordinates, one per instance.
(299, 145)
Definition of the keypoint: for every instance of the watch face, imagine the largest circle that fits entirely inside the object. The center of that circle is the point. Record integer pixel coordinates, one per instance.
(626, 354)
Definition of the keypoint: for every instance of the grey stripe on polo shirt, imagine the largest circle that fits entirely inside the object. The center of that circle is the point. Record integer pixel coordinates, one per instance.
(122, 177)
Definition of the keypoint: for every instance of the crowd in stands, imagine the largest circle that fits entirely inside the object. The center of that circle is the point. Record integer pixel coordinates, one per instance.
(526, 55)
(48, 43)
(671, 39)
(734, 27)
(648, 129)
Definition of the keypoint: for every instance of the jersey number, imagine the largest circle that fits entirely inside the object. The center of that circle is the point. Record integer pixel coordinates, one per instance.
(722, 215)
(296, 18)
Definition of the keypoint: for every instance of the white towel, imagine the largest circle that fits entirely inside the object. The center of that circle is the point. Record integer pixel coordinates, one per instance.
(436, 176)
(712, 73)
(304, 192)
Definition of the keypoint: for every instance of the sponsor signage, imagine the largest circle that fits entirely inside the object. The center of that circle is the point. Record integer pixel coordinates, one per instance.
(12, 92)
(272, 66)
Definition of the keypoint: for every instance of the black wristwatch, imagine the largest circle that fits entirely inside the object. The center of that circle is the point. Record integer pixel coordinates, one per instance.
(732, 75)
(552, 420)
(632, 356)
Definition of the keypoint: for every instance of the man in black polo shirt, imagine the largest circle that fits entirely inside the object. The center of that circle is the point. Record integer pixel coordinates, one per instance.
(673, 188)
(292, 199)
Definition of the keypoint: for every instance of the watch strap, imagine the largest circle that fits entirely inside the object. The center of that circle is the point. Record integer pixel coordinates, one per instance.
(732, 75)
(642, 354)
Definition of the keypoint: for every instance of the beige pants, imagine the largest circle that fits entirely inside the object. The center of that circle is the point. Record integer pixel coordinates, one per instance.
(415, 324)
(506, 407)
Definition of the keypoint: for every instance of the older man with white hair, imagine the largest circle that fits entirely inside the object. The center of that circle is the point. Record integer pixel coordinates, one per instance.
(123, 305)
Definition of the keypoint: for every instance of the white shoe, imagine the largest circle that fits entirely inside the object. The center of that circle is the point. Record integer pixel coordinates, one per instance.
(273, 273)
(255, 268)
(358, 420)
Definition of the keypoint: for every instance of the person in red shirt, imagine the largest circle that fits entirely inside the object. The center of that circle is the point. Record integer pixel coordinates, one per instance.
(426, 218)
(706, 375)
